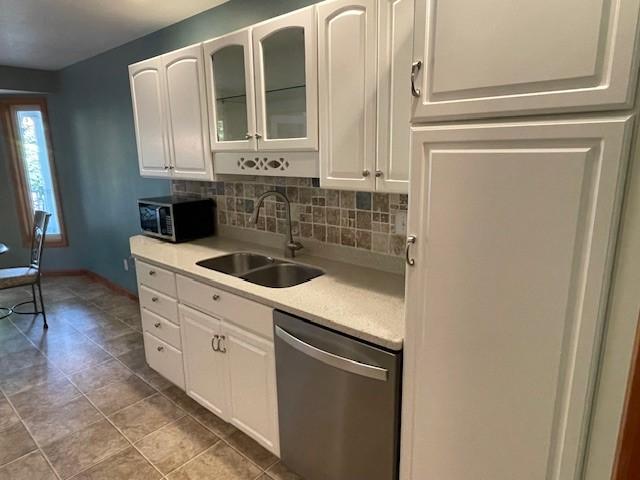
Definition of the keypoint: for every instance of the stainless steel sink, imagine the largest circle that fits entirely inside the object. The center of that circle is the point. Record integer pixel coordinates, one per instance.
(282, 275)
(261, 270)
(237, 263)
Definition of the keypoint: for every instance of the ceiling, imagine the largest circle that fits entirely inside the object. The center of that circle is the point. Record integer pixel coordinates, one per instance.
(53, 34)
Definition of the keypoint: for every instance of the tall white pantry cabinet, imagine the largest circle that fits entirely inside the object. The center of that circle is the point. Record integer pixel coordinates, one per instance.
(512, 226)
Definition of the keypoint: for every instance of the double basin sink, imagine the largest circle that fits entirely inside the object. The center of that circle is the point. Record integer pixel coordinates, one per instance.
(262, 270)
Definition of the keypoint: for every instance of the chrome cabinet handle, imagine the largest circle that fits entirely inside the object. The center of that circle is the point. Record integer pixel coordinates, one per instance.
(166, 167)
(152, 273)
(157, 324)
(258, 136)
(221, 346)
(415, 68)
(365, 173)
(336, 361)
(411, 239)
(160, 349)
(154, 299)
(215, 343)
(215, 297)
(248, 136)
(378, 173)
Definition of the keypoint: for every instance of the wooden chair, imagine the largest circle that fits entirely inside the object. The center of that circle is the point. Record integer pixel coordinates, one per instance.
(29, 275)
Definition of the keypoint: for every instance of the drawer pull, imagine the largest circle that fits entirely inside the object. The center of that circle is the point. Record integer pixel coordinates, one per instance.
(221, 346)
(152, 273)
(157, 324)
(154, 299)
(160, 349)
(215, 344)
(216, 297)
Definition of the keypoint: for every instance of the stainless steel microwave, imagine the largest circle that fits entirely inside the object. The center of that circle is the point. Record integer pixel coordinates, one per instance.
(177, 218)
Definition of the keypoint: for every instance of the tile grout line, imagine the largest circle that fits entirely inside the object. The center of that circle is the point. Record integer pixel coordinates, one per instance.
(83, 395)
(35, 442)
(157, 390)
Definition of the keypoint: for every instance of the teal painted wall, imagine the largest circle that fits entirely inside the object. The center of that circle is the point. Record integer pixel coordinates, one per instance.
(94, 138)
(28, 80)
(54, 258)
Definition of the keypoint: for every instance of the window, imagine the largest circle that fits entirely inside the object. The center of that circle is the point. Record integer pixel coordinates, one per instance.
(29, 145)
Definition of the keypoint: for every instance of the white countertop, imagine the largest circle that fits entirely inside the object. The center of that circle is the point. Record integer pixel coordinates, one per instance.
(362, 302)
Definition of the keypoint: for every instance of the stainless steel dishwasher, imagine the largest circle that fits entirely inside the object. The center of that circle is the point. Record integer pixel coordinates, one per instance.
(338, 403)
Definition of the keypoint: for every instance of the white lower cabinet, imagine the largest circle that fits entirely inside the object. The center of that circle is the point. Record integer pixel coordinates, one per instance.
(231, 371)
(252, 385)
(514, 228)
(164, 359)
(205, 366)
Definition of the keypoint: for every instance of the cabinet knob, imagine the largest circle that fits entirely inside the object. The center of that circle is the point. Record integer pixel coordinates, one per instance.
(216, 297)
(248, 136)
(378, 173)
(160, 349)
(365, 173)
(166, 167)
(258, 136)
(154, 299)
(152, 273)
(157, 324)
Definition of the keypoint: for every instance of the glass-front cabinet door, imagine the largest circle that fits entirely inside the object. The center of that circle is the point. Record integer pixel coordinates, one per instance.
(229, 67)
(285, 59)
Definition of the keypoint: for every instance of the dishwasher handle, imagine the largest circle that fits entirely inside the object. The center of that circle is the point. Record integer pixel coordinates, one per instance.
(336, 361)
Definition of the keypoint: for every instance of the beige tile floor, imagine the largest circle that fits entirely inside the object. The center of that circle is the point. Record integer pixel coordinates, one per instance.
(79, 401)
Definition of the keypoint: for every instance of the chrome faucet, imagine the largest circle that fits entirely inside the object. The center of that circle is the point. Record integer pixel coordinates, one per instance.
(290, 246)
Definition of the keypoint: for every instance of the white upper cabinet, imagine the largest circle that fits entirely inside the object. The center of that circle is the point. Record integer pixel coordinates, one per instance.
(395, 47)
(515, 227)
(187, 113)
(170, 115)
(230, 88)
(147, 95)
(517, 57)
(347, 52)
(286, 84)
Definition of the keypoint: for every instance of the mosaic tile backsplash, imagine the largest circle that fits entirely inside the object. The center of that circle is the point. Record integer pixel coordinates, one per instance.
(364, 220)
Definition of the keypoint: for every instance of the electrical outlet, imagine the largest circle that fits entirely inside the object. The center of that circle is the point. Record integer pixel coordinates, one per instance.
(125, 262)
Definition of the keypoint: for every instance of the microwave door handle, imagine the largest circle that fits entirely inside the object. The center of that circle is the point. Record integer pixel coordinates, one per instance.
(158, 224)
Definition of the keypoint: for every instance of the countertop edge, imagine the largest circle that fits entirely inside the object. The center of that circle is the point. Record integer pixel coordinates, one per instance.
(388, 343)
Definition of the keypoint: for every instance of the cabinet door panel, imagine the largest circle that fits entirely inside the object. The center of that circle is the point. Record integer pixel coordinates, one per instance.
(205, 369)
(164, 359)
(515, 226)
(517, 57)
(347, 88)
(229, 71)
(286, 84)
(187, 108)
(252, 387)
(147, 96)
(395, 51)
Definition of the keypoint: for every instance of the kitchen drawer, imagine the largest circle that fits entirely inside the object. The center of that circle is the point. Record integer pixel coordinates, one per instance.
(164, 359)
(157, 278)
(245, 313)
(161, 328)
(158, 303)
